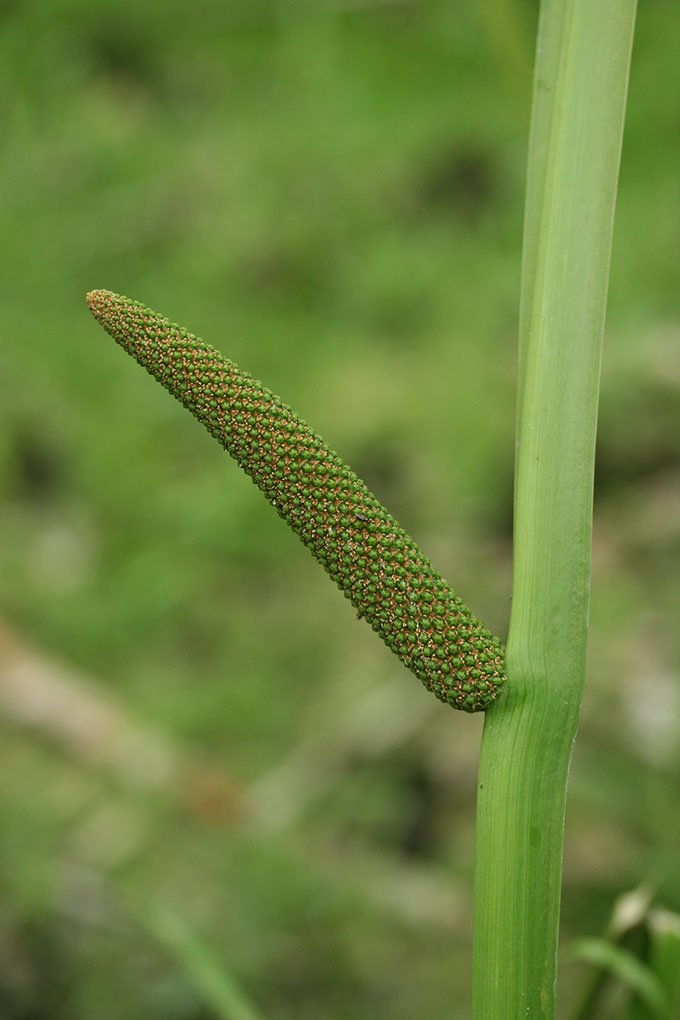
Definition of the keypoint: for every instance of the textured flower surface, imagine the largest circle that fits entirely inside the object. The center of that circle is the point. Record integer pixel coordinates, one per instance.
(376, 564)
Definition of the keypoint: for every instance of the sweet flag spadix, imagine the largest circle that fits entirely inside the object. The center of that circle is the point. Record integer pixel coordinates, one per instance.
(370, 557)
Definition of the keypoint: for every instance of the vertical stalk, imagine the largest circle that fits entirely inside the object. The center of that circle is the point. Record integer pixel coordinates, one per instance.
(551, 24)
(580, 84)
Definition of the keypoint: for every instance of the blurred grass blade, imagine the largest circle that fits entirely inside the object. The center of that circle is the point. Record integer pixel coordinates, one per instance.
(630, 971)
(628, 921)
(216, 987)
(665, 957)
(664, 963)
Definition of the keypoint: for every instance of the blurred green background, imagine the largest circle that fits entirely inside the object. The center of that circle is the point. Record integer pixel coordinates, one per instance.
(209, 766)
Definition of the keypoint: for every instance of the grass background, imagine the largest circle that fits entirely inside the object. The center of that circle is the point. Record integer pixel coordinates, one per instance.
(330, 192)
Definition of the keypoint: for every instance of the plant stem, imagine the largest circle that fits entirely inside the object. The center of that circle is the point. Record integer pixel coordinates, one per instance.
(548, 44)
(580, 84)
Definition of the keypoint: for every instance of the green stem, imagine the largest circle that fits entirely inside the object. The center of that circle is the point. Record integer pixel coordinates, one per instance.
(550, 32)
(583, 58)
